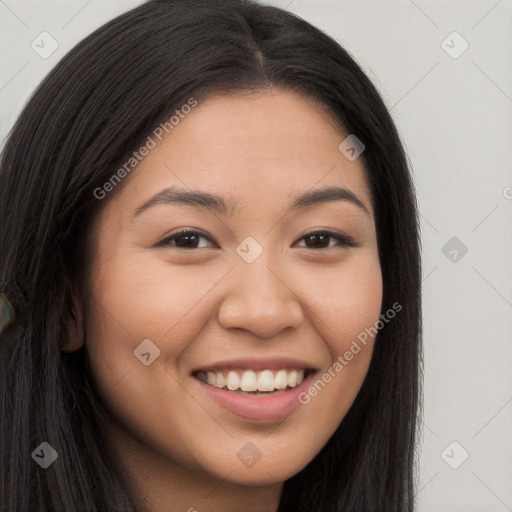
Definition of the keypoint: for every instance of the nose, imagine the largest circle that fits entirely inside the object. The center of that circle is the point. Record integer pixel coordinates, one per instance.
(260, 299)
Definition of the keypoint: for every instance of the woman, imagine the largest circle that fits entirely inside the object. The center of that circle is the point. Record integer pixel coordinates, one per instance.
(212, 257)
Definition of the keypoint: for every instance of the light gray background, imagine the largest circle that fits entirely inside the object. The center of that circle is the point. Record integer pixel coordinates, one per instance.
(455, 118)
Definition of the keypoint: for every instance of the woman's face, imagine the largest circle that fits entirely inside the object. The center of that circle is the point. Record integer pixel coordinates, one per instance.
(252, 298)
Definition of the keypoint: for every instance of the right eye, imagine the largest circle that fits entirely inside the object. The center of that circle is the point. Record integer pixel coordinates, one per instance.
(184, 240)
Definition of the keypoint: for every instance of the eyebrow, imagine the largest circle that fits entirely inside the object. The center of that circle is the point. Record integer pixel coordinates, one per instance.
(217, 204)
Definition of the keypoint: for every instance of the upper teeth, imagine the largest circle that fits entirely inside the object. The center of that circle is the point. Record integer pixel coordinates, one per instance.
(250, 380)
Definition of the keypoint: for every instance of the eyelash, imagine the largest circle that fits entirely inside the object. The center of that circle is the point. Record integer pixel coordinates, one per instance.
(343, 239)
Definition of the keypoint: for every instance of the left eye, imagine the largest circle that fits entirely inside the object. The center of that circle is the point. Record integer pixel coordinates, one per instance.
(317, 240)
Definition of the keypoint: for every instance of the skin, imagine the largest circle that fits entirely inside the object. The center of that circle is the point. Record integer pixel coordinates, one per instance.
(259, 150)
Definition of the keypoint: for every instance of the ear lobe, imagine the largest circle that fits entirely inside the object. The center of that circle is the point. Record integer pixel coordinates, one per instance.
(75, 333)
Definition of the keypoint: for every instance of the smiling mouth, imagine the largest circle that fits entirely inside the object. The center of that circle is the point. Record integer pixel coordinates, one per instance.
(254, 382)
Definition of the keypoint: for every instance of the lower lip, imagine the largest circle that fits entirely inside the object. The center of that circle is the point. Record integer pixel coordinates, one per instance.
(257, 407)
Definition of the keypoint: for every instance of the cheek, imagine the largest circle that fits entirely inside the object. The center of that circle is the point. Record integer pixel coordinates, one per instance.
(345, 300)
(136, 300)
(358, 306)
(348, 310)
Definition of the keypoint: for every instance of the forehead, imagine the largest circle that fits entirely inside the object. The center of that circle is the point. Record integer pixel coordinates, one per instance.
(268, 145)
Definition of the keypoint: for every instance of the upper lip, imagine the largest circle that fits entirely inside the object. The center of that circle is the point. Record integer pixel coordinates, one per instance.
(269, 363)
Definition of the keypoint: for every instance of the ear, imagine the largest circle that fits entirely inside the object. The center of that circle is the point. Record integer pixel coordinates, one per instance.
(75, 333)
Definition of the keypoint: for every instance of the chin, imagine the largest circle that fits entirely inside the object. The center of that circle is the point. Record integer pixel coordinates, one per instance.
(267, 471)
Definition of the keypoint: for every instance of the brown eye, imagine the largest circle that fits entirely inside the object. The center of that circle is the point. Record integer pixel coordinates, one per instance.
(188, 239)
(185, 240)
(321, 240)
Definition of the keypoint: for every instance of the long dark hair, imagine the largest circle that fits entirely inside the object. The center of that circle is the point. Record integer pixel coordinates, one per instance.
(91, 112)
